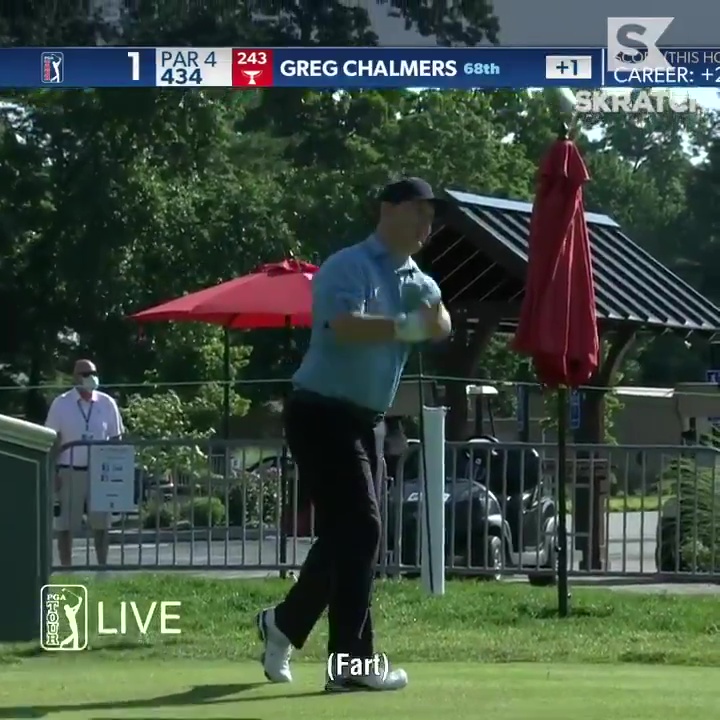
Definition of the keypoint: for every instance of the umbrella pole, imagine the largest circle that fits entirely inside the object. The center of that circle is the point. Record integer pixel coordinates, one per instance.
(563, 609)
(226, 386)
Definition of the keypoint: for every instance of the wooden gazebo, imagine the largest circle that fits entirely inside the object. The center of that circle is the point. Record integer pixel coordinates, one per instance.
(478, 255)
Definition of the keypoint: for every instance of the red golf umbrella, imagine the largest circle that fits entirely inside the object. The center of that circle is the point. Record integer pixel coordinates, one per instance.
(558, 324)
(277, 295)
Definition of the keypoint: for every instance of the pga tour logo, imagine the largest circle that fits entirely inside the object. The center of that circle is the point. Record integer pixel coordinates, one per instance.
(65, 618)
(52, 68)
(344, 665)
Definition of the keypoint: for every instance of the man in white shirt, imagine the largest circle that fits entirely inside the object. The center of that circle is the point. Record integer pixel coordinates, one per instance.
(82, 413)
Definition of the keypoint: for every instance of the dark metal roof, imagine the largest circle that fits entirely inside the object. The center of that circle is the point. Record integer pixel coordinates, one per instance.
(480, 254)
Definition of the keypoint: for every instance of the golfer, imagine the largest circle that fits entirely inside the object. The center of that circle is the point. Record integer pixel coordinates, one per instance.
(371, 303)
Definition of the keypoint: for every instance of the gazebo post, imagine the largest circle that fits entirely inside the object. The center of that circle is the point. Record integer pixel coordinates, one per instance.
(589, 496)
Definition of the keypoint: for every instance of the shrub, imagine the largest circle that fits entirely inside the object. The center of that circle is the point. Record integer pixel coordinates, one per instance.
(197, 485)
(161, 416)
(697, 513)
(252, 497)
(209, 484)
(243, 500)
(203, 512)
(156, 514)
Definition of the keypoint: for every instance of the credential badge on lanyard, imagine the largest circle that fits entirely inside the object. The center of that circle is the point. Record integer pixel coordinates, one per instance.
(87, 435)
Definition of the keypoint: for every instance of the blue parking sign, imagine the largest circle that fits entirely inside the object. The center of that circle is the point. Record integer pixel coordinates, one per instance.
(713, 376)
(574, 409)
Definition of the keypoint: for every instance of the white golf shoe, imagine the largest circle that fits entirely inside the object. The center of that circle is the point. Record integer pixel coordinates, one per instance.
(393, 680)
(277, 648)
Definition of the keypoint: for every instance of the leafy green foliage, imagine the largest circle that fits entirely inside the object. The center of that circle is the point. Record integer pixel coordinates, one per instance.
(254, 498)
(164, 417)
(694, 526)
(246, 499)
(466, 23)
(157, 514)
(261, 23)
(611, 406)
(207, 512)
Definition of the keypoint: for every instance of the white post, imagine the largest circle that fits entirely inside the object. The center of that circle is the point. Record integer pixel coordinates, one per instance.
(432, 506)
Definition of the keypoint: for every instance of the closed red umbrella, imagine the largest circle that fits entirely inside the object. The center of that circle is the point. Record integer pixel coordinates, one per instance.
(558, 324)
(277, 295)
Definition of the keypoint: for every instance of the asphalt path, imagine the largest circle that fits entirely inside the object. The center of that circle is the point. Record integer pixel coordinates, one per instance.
(631, 548)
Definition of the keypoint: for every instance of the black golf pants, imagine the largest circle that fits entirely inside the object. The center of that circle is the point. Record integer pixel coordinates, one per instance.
(337, 448)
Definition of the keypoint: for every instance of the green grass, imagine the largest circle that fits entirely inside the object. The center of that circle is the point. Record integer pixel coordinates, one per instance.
(225, 690)
(475, 621)
(500, 648)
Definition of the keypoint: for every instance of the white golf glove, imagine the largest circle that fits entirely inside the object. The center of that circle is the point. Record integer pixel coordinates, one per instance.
(411, 328)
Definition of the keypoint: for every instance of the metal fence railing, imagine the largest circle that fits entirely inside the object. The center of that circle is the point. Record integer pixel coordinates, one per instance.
(633, 511)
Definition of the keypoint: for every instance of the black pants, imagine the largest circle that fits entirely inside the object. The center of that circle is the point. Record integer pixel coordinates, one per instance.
(338, 453)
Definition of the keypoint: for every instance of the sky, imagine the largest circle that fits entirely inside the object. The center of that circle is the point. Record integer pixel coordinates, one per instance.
(706, 97)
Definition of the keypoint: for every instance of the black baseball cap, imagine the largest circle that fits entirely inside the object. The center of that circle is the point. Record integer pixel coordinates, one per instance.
(407, 189)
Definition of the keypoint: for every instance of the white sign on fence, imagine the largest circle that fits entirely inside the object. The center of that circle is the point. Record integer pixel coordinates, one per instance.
(112, 478)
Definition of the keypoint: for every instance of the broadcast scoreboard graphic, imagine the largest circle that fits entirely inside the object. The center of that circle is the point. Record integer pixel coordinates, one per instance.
(568, 67)
(337, 68)
(213, 67)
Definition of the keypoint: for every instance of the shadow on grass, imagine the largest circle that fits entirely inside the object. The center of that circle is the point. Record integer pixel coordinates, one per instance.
(199, 695)
(22, 654)
(35, 651)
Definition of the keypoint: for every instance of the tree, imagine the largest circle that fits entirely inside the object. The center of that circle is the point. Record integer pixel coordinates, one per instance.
(120, 206)
(464, 23)
(264, 22)
(647, 170)
(347, 145)
(701, 252)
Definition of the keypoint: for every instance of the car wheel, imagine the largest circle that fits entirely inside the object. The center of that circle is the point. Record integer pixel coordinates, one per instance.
(489, 556)
(547, 579)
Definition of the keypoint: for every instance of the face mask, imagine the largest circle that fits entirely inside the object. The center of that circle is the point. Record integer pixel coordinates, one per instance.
(90, 383)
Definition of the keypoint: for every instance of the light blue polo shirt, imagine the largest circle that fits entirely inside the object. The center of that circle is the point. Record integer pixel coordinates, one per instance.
(361, 278)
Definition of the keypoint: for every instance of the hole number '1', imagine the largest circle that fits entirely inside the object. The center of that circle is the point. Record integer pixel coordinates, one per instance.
(135, 59)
